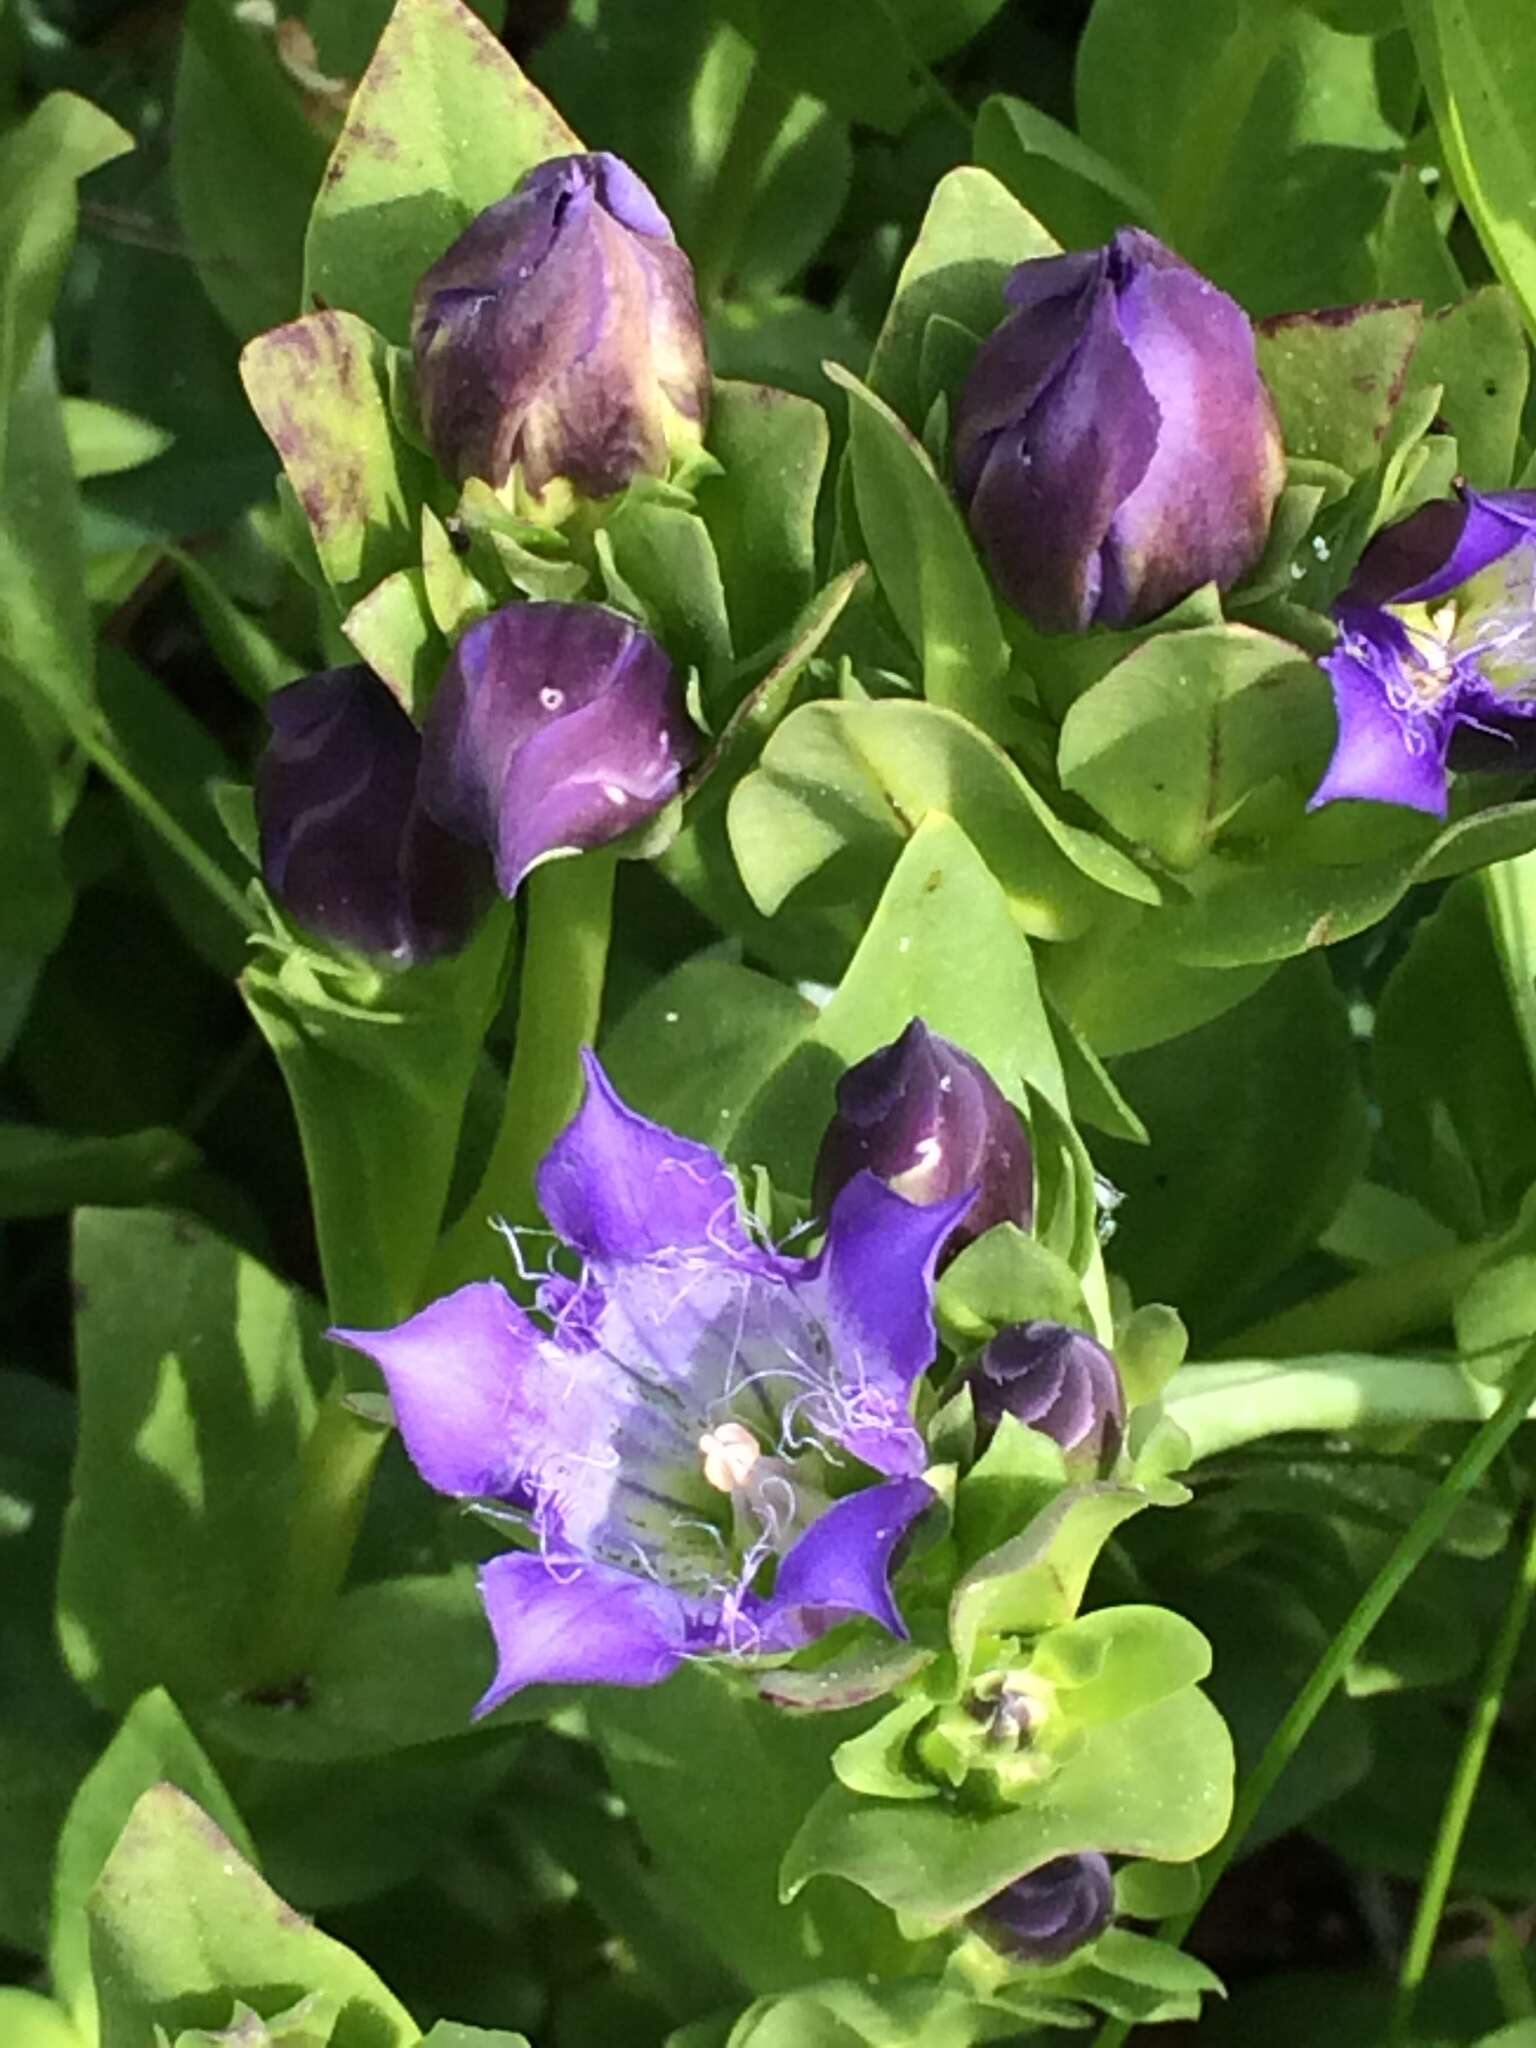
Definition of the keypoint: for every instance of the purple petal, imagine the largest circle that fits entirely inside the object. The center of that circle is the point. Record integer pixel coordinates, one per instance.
(591, 1625)
(1048, 1913)
(841, 1566)
(453, 1372)
(1016, 364)
(1383, 754)
(1201, 510)
(1052, 482)
(1440, 546)
(345, 847)
(556, 726)
(872, 1288)
(622, 1189)
(1057, 1380)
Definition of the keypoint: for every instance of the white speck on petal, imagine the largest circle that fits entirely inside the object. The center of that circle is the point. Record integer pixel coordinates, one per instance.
(551, 698)
(614, 794)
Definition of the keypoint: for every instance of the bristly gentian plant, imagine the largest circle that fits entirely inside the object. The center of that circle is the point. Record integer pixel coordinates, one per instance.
(711, 1439)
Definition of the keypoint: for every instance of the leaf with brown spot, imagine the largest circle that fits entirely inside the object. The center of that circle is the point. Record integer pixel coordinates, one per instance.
(319, 387)
(441, 127)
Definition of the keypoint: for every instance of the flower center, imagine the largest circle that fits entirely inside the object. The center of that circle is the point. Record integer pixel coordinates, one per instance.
(730, 1451)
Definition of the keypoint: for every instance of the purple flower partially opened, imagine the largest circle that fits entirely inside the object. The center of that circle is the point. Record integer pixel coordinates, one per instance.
(1048, 1914)
(691, 1424)
(561, 333)
(346, 847)
(930, 1121)
(1115, 446)
(556, 728)
(1057, 1380)
(1435, 666)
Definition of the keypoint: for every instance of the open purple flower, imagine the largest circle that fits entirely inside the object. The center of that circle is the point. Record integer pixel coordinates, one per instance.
(1115, 446)
(1435, 666)
(557, 727)
(684, 1423)
(1057, 1380)
(561, 333)
(346, 847)
(1048, 1914)
(930, 1120)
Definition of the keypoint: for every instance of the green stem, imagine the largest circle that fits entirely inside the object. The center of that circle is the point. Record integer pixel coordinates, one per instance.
(759, 117)
(1463, 1790)
(1420, 1537)
(565, 958)
(333, 1481)
(100, 753)
(1220, 1407)
(1367, 1313)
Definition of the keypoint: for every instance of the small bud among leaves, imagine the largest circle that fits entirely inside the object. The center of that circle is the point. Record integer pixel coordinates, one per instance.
(1048, 1914)
(1057, 1380)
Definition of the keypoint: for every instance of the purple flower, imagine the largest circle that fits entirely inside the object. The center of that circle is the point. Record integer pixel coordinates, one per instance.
(930, 1121)
(1055, 1379)
(1114, 444)
(684, 1423)
(1435, 666)
(561, 333)
(1049, 1913)
(557, 727)
(345, 846)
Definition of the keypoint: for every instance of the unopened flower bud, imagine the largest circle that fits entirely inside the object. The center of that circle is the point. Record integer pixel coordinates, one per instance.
(1057, 1380)
(346, 847)
(930, 1122)
(561, 333)
(1049, 1913)
(1115, 446)
(557, 727)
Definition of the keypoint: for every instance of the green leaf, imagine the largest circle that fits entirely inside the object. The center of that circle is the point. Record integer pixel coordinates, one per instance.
(194, 1402)
(45, 623)
(1006, 1276)
(1412, 258)
(665, 559)
(943, 946)
(246, 160)
(44, 1172)
(442, 126)
(761, 513)
(835, 779)
(1286, 141)
(60, 142)
(869, 2015)
(28, 2020)
(717, 1784)
(181, 1927)
(924, 560)
(378, 1067)
(1078, 194)
(1336, 379)
(104, 440)
(1477, 353)
(1258, 1125)
(1170, 745)
(1118, 1660)
(392, 628)
(1479, 72)
(153, 1745)
(1122, 989)
(696, 1047)
(455, 2034)
(320, 388)
(972, 236)
(1157, 1783)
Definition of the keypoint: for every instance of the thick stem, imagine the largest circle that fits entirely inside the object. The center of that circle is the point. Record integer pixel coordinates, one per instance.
(565, 959)
(1463, 1790)
(1220, 1407)
(1370, 1312)
(334, 1475)
(1422, 1534)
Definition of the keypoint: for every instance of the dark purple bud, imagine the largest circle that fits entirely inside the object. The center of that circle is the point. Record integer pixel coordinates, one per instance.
(561, 332)
(930, 1122)
(557, 727)
(1115, 446)
(1049, 1913)
(346, 847)
(1055, 1379)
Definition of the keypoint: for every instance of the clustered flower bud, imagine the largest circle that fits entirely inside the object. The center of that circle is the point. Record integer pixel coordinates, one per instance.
(929, 1121)
(1057, 1380)
(1115, 446)
(346, 846)
(561, 334)
(1047, 1914)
